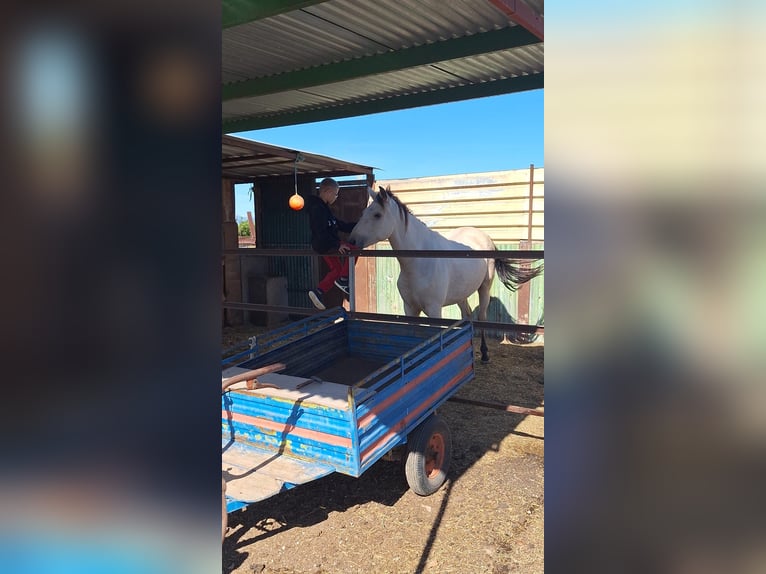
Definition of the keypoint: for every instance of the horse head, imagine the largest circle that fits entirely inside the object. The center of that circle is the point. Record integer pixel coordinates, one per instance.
(379, 220)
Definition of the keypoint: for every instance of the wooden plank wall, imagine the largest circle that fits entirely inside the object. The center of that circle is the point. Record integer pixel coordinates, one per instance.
(497, 202)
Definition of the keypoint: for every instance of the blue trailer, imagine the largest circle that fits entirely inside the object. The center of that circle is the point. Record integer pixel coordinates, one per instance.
(348, 391)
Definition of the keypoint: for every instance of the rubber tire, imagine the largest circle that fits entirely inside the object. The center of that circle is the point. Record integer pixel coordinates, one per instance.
(432, 432)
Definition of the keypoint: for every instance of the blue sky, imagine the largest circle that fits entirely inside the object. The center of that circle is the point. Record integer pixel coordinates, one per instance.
(484, 134)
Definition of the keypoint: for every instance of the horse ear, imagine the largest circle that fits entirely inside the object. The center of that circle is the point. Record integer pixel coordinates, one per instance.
(383, 193)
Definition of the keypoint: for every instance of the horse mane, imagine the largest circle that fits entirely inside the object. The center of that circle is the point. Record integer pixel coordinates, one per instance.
(403, 209)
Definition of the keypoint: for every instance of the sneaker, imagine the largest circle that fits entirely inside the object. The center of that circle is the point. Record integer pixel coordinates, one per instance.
(342, 284)
(316, 298)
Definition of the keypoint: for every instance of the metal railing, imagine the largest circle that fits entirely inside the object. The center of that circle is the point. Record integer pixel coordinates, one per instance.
(521, 254)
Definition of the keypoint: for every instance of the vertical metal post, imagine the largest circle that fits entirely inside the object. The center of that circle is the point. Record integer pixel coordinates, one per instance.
(531, 203)
(351, 281)
(524, 293)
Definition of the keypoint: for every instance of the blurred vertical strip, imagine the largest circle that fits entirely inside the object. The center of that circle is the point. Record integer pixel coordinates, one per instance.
(110, 145)
(655, 267)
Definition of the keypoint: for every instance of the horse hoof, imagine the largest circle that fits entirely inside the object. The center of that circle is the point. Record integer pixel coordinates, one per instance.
(485, 359)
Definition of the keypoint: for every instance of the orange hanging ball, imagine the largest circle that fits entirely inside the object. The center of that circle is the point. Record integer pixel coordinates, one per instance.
(296, 202)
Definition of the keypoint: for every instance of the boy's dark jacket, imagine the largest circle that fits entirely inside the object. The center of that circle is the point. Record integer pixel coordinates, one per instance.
(324, 226)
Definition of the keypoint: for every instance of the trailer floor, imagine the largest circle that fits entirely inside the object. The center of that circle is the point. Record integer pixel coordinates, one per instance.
(349, 370)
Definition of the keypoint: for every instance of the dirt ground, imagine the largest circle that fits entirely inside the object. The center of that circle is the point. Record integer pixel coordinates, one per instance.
(488, 516)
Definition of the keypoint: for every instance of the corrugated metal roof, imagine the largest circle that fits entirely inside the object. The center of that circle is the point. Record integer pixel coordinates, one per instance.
(247, 160)
(497, 65)
(342, 57)
(396, 24)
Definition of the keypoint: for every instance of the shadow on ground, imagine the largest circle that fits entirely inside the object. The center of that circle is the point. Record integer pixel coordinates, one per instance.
(310, 504)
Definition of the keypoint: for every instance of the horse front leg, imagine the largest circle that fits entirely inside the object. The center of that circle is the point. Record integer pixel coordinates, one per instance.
(433, 311)
(411, 310)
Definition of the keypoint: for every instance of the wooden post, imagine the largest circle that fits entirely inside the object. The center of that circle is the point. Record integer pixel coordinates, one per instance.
(524, 292)
(232, 282)
(258, 203)
(367, 295)
(251, 224)
(531, 202)
(364, 285)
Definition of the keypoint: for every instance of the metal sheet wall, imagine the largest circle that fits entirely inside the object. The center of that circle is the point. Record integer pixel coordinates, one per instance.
(283, 228)
(497, 202)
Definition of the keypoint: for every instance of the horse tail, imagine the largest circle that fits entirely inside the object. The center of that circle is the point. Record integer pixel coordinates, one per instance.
(513, 275)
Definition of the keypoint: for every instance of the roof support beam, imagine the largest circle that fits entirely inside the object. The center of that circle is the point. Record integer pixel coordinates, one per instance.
(497, 87)
(236, 12)
(522, 14)
(507, 38)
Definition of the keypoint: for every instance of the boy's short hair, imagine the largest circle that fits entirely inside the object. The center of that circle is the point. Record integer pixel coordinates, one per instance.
(328, 182)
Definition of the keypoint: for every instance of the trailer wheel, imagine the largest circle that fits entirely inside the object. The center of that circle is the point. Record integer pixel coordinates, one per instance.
(429, 448)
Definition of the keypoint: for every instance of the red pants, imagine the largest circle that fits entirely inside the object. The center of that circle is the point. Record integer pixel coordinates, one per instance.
(338, 268)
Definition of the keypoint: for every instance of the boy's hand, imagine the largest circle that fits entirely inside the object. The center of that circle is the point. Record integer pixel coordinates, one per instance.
(344, 248)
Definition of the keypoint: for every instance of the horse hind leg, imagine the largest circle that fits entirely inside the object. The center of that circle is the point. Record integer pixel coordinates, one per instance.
(465, 309)
(465, 312)
(483, 306)
(484, 349)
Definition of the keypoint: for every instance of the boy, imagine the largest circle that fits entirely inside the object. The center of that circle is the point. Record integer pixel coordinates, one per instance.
(324, 239)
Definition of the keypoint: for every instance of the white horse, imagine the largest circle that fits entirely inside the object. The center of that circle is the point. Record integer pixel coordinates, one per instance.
(430, 284)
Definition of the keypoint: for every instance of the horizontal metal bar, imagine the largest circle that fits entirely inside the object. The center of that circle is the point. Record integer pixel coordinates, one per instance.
(436, 254)
(489, 212)
(510, 327)
(447, 322)
(332, 111)
(230, 173)
(499, 406)
(275, 308)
